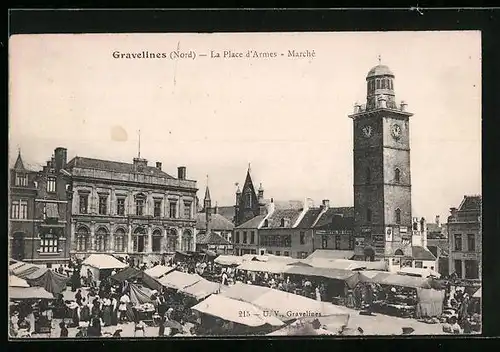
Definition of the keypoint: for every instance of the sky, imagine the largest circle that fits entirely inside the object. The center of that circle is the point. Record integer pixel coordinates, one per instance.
(286, 116)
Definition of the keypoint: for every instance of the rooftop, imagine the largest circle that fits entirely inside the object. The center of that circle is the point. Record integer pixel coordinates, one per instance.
(211, 238)
(421, 253)
(309, 218)
(470, 203)
(217, 222)
(380, 70)
(253, 223)
(274, 221)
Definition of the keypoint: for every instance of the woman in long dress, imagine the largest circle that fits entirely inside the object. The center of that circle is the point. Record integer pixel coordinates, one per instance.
(84, 311)
(114, 311)
(106, 312)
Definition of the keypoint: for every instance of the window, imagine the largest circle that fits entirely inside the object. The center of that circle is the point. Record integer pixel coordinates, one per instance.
(187, 210)
(302, 237)
(139, 206)
(337, 241)
(172, 241)
(278, 253)
(397, 175)
(120, 206)
(324, 242)
(21, 180)
(286, 253)
(418, 264)
(51, 184)
(471, 242)
(103, 205)
(101, 240)
(186, 241)
(378, 84)
(252, 237)
(269, 252)
(249, 200)
(458, 268)
(245, 237)
(84, 203)
(156, 245)
(120, 240)
(432, 268)
(398, 216)
(471, 269)
(173, 209)
(49, 243)
(157, 209)
(266, 223)
(458, 242)
(368, 175)
(82, 240)
(282, 222)
(19, 209)
(368, 215)
(384, 83)
(237, 237)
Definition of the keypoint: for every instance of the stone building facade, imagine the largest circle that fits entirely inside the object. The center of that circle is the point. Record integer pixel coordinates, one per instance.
(132, 209)
(465, 238)
(39, 212)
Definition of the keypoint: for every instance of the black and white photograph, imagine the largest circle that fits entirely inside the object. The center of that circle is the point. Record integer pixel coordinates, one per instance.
(173, 185)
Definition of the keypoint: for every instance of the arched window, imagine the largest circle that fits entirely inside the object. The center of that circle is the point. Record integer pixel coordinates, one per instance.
(82, 239)
(140, 240)
(101, 240)
(119, 240)
(398, 216)
(369, 215)
(378, 84)
(384, 83)
(266, 223)
(172, 241)
(397, 175)
(398, 252)
(282, 222)
(156, 246)
(368, 175)
(186, 241)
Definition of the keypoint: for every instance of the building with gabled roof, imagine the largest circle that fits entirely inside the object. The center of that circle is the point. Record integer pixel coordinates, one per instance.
(334, 228)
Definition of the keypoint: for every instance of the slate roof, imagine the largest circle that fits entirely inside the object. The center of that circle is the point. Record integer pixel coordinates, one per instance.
(275, 219)
(211, 238)
(226, 211)
(19, 165)
(309, 218)
(330, 219)
(253, 223)
(114, 166)
(421, 253)
(217, 222)
(470, 203)
(285, 204)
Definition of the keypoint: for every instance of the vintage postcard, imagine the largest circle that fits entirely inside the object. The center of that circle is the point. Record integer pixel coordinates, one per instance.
(244, 184)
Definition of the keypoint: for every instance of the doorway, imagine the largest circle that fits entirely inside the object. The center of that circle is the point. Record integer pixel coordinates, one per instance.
(18, 246)
(140, 244)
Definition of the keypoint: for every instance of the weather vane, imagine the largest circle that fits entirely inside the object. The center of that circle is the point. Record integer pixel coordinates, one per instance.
(379, 59)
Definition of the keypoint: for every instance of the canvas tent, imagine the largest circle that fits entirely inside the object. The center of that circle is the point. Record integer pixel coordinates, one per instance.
(159, 271)
(140, 294)
(101, 265)
(430, 302)
(418, 272)
(15, 281)
(351, 278)
(331, 254)
(18, 293)
(201, 289)
(178, 280)
(228, 260)
(269, 266)
(130, 273)
(244, 292)
(22, 269)
(230, 310)
(50, 280)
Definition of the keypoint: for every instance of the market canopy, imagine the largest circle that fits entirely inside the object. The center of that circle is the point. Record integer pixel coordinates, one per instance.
(345, 264)
(398, 280)
(22, 269)
(140, 294)
(350, 277)
(228, 260)
(103, 261)
(269, 267)
(421, 272)
(201, 289)
(15, 281)
(18, 293)
(159, 270)
(130, 273)
(244, 292)
(178, 280)
(50, 280)
(331, 254)
(231, 310)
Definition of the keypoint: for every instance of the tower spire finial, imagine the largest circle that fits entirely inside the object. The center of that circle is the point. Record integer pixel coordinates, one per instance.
(249, 167)
(379, 59)
(139, 147)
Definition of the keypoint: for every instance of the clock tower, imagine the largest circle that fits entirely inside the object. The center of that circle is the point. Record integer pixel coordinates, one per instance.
(382, 182)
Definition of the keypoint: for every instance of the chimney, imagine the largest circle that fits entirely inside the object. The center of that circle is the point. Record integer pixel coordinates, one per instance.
(61, 158)
(215, 208)
(140, 163)
(403, 106)
(181, 172)
(158, 165)
(326, 203)
(438, 222)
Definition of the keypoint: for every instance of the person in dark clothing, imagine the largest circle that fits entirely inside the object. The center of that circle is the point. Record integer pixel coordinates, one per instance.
(64, 330)
(161, 331)
(78, 297)
(95, 329)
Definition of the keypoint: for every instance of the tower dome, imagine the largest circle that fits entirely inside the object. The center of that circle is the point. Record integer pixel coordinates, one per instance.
(380, 70)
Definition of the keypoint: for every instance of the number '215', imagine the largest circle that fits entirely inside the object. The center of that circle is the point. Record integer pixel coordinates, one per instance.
(243, 313)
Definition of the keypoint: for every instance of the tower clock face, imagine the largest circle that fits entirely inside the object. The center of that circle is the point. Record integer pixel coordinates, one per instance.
(396, 131)
(367, 131)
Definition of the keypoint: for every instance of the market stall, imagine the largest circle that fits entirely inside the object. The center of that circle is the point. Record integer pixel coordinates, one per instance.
(101, 266)
(15, 281)
(178, 280)
(221, 315)
(228, 260)
(201, 289)
(133, 274)
(22, 293)
(265, 267)
(159, 271)
(419, 272)
(22, 269)
(50, 280)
